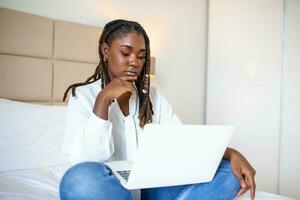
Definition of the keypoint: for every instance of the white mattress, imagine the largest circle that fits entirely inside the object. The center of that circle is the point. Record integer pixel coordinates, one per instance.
(43, 183)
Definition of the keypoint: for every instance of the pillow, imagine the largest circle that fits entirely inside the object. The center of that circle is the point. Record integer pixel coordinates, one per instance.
(31, 135)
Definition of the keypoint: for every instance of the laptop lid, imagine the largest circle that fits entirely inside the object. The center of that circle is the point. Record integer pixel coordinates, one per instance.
(178, 154)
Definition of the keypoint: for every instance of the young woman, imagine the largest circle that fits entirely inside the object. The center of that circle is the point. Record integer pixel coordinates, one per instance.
(106, 115)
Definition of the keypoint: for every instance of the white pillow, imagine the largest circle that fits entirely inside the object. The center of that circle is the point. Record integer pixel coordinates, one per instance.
(31, 135)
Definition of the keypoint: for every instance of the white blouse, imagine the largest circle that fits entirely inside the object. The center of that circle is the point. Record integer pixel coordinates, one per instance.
(90, 138)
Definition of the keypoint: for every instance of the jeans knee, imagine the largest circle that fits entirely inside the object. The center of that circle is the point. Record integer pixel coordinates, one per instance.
(85, 171)
(230, 181)
(90, 180)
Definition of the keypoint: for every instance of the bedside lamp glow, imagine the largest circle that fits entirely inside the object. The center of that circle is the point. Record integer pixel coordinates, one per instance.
(152, 67)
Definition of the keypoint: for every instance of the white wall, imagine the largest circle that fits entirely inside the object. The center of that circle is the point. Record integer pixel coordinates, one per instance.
(253, 82)
(289, 173)
(176, 30)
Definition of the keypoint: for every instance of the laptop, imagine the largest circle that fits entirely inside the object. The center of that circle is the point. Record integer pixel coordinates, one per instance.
(170, 155)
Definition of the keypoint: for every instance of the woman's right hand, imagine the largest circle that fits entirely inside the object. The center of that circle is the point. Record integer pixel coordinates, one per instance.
(118, 86)
(113, 90)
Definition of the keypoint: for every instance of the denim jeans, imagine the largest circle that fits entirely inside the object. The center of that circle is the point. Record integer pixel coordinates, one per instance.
(94, 181)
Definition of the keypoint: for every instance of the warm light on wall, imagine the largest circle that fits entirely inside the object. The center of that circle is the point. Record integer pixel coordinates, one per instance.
(152, 67)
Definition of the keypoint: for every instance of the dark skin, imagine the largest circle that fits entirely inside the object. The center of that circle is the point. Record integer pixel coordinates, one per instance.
(126, 57)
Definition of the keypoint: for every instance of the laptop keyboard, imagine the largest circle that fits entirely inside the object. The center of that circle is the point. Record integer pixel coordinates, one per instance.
(124, 174)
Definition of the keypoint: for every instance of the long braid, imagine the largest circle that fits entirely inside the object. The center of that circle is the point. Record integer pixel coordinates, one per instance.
(111, 31)
(143, 86)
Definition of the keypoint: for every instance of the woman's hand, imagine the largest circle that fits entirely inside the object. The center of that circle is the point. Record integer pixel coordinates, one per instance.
(118, 87)
(113, 90)
(242, 170)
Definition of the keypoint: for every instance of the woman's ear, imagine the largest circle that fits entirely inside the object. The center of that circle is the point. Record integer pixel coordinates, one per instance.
(104, 49)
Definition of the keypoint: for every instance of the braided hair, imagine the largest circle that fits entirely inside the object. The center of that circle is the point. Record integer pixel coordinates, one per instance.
(112, 30)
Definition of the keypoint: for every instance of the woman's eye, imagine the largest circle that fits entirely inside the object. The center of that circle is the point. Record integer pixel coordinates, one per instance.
(141, 57)
(125, 54)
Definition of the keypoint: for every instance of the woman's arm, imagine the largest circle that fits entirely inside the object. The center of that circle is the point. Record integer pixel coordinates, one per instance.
(228, 153)
(101, 106)
(87, 136)
(242, 169)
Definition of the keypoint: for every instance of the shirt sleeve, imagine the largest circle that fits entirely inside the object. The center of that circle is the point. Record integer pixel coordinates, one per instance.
(87, 137)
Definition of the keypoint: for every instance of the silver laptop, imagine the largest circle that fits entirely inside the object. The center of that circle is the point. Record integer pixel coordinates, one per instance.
(171, 155)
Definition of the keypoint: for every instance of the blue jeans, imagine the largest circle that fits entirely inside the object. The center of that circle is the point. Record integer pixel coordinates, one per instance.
(94, 181)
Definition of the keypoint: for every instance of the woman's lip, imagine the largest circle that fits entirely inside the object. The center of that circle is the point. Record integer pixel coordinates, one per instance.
(132, 72)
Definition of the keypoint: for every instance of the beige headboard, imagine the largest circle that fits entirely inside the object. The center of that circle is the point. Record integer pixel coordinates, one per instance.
(40, 57)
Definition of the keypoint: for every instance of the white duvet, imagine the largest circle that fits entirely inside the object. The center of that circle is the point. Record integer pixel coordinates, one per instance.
(32, 184)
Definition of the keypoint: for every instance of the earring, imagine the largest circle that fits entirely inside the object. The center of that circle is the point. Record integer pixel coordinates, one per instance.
(104, 59)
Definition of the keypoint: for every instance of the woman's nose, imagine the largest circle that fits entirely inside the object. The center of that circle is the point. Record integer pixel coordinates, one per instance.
(133, 61)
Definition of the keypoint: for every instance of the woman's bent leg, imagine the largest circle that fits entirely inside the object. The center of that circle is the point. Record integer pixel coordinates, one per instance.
(91, 181)
(224, 186)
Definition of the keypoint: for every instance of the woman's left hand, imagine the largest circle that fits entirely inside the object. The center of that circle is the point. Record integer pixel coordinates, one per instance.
(242, 169)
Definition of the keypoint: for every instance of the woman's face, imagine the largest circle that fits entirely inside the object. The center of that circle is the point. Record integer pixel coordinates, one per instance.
(126, 55)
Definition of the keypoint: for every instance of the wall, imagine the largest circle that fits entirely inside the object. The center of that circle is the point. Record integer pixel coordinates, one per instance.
(289, 175)
(177, 32)
(253, 82)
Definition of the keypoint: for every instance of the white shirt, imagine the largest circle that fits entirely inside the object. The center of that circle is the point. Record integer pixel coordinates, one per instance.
(90, 138)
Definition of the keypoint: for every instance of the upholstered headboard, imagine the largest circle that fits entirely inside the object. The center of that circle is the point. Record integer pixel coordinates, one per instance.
(40, 57)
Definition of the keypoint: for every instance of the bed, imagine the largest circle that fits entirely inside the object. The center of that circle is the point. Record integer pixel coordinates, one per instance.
(39, 58)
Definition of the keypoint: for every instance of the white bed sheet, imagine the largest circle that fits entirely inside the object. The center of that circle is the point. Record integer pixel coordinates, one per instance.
(43, 184)
(264, 196)
(32, 184)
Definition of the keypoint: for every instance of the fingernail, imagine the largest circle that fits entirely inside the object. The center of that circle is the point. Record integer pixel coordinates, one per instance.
(243, 184)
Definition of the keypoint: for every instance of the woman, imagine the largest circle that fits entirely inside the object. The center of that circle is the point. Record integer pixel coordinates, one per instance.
(107, 113)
